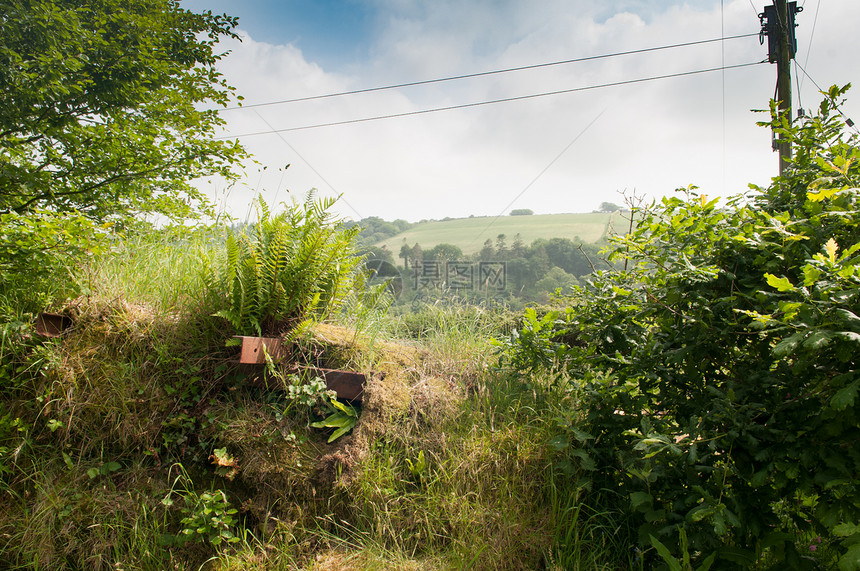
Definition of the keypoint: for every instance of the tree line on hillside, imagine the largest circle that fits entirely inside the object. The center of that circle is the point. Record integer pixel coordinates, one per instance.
(533, 271)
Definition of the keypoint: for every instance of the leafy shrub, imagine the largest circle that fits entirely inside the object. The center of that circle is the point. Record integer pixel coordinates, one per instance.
(721, 368)
(293, 268)
(39, 253)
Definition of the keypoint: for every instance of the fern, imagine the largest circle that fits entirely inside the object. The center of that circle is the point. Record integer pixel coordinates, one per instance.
(289, 271)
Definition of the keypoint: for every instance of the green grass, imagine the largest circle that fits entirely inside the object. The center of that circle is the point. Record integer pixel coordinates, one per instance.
(469, 234)
(143, 386)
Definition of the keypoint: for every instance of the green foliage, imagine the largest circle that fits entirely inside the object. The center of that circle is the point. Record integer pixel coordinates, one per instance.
(293, 269)
(103, 109)
(418, 467)
(343, 418)
(522, 212)
(444, 252)
(207, 517)
(104, 470)
(684, 564)
(310, 394)
(556, 279)
(721, 368)
(374, 229)
(41, 253)
(534, 345)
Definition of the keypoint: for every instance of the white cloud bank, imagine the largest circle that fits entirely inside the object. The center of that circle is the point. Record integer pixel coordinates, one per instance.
(652, 137)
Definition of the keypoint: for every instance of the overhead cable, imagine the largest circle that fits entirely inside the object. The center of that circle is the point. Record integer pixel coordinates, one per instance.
(848, 120)
(494, 101)
(485, 73)
(811, 36)
(310, 166)
(535, 179)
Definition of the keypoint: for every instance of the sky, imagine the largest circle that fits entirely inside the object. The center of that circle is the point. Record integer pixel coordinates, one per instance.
(567, 152)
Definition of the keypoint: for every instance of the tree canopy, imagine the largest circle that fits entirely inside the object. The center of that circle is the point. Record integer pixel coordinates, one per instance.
(110, 107)
(609, 207)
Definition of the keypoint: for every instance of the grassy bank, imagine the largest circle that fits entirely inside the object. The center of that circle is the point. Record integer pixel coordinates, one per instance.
(135, 442)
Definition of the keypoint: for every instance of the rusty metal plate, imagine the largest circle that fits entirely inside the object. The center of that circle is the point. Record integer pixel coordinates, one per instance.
(252, 349)
(51, 324)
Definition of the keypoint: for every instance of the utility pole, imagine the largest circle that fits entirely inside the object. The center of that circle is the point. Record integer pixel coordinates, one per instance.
(778, 26)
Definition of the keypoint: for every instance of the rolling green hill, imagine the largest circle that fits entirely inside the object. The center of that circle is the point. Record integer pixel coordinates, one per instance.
(469, 234)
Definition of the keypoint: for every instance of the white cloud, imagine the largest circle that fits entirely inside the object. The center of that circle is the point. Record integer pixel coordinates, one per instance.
(653, 136)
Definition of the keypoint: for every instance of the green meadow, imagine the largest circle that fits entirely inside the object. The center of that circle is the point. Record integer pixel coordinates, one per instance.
(469, 234)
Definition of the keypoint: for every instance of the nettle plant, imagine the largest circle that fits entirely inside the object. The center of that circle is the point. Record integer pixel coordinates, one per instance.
(289, 270)
(721, 368)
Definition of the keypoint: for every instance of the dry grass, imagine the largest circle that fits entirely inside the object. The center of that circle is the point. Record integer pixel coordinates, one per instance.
(147, 387)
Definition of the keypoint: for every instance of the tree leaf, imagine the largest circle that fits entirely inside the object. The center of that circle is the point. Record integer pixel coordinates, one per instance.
(788, 345)
(850, 561)
(818, 339)
(781, 284)
(831, 247)
(559, 442)
(666, 555)
(846, 529)
(640, 499)
(845, 396)
(585, 460)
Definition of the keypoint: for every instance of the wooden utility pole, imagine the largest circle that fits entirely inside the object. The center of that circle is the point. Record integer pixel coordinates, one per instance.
(783, 81)
(778, 26)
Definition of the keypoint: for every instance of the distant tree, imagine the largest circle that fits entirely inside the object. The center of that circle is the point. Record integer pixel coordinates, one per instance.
(402, 225)
(377, 253)
(539, 263)
(519, 276)
(556, 278)
(417, 255)
(609, 207)
(501, 246)
(518, 248)
(488, 252)
(406, 254)
(522, 212)
(565, 254)
(447, 252)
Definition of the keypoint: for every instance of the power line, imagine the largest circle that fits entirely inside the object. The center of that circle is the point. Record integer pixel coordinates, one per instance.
(540, 174)
(754, 8)
(494, 101)
(811, 36)
(485, 73)
(315, 171)
(723, 83)
(848, 120)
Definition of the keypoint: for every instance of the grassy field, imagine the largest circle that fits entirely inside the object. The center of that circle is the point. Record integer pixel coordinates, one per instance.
(469, 234)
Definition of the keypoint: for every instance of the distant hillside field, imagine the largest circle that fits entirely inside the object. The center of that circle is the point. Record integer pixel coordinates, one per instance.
(469, 234)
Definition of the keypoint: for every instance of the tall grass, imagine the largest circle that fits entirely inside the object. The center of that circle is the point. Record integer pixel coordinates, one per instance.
(448, 467)
(164, 271)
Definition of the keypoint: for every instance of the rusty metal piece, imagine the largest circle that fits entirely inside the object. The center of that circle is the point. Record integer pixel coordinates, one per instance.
(52, 324)
(348, 385)
(252, 349)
